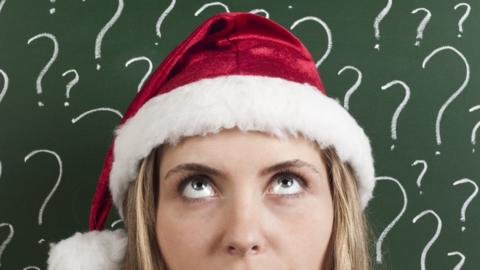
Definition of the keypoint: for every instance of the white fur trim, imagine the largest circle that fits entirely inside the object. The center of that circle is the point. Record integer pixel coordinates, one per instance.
(248, 102)
(93, 250)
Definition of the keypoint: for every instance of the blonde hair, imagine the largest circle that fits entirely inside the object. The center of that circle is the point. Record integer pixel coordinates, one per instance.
(349, 243)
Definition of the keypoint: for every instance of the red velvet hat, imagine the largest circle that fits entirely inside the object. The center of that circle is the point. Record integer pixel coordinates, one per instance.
(236, 69)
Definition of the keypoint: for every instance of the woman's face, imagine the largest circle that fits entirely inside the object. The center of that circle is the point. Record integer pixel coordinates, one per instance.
(240, 214)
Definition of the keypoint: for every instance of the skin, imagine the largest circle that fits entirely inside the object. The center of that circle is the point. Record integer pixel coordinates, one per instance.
(241, 220)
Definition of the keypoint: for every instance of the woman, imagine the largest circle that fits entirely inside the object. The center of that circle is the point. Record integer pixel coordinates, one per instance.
(239, 95)
(239, 225)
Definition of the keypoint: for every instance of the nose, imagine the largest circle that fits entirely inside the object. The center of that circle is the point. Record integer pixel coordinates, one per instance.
(243, 229)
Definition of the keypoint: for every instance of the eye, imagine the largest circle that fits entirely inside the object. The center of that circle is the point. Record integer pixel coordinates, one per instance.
(197, 186)
(288, 183)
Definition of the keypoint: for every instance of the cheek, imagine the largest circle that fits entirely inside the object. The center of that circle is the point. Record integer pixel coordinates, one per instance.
(309, 231)
(179, 233)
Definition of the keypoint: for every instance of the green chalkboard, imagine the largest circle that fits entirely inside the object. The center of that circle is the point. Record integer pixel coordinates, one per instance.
(406, 70)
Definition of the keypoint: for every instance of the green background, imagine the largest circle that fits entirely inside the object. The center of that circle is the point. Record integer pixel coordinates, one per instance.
(26, 127)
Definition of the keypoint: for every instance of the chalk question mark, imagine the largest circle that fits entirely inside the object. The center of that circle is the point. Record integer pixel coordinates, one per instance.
(454, 95)
(260, 10)
(394, 221)
(422, 173)
(399, 108)
(70, 84)
(5, 84)
(150, 67)
(464, 17)
(6, 241)
(161, 18)
(202, 8)
(351, 90)
(474, 130)
(462, 259)
(422, 25)
(327, 30)
(74, 120)
(469, 199)
(52, 10)
(378, 19)
(59, 161)
(434, 238)
(106, 27)
(2, 2)
(50, 62)
(116, 222)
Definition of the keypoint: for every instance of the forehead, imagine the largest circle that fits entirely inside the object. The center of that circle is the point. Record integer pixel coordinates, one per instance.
(231, 139)
(240, 149)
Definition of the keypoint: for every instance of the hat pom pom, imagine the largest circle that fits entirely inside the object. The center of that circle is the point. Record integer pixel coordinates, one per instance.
(93, 250)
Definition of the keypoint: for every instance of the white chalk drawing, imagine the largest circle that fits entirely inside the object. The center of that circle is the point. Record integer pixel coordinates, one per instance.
(116, 222)
(399, 108)
(454, 95)
(422, 25)
(74, 120)
(149, 71)
(202, 8)
(106, 27)
(49, 63)
(353, 88)
(31, 267)
(59, 178)
(2, 3)
(162, 18)
(378, 19)
(435, 236)
(327, 30)
(260, 10)
(463, 18)
(422, 173)
(379, 257)
(52, 10)
(5, 84)
(7, 240)
(474, 130)
(462, 259)
(469, 199)
(72, 83)
(0, 169)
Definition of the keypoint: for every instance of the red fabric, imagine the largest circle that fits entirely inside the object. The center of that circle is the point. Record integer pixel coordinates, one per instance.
(235, 43)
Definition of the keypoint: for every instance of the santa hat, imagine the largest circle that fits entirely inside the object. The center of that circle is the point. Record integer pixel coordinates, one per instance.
(234, 70)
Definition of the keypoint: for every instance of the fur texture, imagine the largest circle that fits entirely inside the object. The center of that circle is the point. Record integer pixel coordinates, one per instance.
(249, 102)
(93, 250)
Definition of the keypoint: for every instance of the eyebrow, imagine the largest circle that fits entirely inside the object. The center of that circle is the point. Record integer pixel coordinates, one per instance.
(197, 167)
